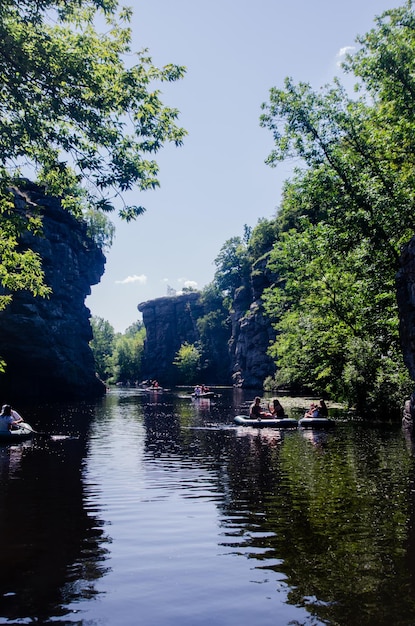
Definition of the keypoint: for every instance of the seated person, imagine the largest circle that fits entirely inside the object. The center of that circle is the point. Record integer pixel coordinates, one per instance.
(8, 418)
(322, 409)
(312, 411)
(276, 409)
(255, 410)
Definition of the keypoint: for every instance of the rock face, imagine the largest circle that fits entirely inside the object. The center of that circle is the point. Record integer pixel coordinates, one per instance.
(251, 336)
(172, 320)
(169, 322)
(251, 333)
(45, 342)
(406, 303)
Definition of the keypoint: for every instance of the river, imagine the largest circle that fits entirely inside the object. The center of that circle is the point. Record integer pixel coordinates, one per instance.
(152, 509)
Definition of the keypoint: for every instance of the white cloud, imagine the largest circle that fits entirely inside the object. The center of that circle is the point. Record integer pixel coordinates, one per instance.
(142, 279)
(342, 53)
(187, 283)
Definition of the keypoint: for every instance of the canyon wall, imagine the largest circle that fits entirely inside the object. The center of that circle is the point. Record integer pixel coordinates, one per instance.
(406, 302)
(172, 321)
(45, 341)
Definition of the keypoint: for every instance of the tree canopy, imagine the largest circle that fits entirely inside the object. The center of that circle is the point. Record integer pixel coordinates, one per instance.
(72, 109)
(80, 114)
(344, 218)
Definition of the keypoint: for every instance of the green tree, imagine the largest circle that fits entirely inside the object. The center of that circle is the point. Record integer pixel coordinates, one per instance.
(346, 216)
(75, 117)
(102, 346)
(70, 106)
(233, 266)
(187, 360)
(127, 354)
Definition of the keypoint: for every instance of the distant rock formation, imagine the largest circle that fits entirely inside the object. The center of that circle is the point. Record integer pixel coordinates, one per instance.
(251, 333)
(172, 321)
(45, 342)
(169, 322)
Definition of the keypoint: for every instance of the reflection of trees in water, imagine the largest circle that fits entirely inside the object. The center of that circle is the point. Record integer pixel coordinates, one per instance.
(53, 545)
(327, 512)
(336, 514)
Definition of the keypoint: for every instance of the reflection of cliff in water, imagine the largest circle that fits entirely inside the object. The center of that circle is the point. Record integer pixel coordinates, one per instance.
(62, 553)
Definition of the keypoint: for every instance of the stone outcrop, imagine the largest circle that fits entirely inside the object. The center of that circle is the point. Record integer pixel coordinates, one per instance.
(45, 342)
(405, 282)
(406, 303)
(251, 337)
(169, 322)
(172, 321)
(251, 332)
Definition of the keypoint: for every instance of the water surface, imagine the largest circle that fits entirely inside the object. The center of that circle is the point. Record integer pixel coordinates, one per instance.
(156, 510)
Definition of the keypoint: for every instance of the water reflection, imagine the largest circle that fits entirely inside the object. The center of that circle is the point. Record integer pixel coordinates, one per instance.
(328, 512)
(162, 492)
(53, 548)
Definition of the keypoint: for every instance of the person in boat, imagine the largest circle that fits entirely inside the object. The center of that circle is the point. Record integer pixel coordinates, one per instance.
(8, 418)
(255, 410)
(276, 409)
(312, 411)
(322, 409)
(197, 390)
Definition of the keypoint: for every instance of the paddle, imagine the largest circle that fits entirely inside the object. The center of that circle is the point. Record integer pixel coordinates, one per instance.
(32, 430)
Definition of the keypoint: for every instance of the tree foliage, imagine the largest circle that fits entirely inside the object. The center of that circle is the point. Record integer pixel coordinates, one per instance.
(187, 360)
(128, 351)
(102, 346)
(232, 266)
(78, 113)
(117, 355)
(71, 107)
(344, 219)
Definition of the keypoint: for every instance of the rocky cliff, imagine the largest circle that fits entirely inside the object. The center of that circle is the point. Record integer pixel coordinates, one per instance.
(45, 342)
(251, 332)
(169, 322)
(406, 303)
(172, 320)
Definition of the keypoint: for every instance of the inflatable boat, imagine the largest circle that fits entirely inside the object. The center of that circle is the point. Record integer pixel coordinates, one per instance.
(316, 422)
(21, 433)
(266, 422)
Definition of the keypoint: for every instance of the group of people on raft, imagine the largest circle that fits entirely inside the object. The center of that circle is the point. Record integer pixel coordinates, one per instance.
(200, 390)
(276, 410)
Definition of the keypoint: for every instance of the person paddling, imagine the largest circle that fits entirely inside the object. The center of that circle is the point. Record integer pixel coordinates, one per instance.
(8, 418)
(322, 409)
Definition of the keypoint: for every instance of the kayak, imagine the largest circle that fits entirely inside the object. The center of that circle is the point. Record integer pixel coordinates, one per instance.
(23, 432)
(266, 422)
(316, 422)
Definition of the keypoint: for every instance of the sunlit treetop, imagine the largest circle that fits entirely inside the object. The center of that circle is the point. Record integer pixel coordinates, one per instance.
(79, 112)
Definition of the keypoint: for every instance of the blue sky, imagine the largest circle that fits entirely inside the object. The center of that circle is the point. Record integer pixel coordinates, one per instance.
(217, 181)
